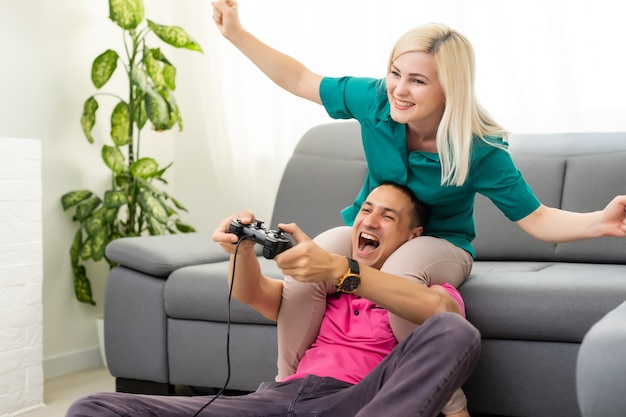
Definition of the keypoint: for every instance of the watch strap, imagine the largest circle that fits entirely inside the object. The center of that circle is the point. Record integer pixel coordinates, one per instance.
(353, 266)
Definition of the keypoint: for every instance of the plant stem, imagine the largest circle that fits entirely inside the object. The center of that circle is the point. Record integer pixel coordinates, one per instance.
(132, 197)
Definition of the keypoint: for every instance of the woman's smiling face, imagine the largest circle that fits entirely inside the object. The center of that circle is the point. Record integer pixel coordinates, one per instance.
(413, 89)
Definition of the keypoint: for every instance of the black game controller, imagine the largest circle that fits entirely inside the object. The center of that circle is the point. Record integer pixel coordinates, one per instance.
(273, 241)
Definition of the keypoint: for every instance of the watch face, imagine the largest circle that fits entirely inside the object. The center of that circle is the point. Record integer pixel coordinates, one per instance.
(350, 284)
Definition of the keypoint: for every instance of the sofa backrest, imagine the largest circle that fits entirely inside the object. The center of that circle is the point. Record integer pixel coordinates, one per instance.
(324, 175)
(580, 172)
(574, 171)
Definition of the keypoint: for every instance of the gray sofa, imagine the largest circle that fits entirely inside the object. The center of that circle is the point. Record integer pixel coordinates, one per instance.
(534, 303)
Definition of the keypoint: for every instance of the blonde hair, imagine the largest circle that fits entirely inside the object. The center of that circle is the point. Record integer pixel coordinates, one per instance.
(463, 117)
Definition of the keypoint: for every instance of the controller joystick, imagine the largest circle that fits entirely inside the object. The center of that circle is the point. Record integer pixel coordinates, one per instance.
(273, 241)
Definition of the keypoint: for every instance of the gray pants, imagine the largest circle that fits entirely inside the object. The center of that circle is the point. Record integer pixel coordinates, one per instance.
(416, 379)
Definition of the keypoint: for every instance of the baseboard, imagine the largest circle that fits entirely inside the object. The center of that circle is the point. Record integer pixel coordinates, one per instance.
(54, 366)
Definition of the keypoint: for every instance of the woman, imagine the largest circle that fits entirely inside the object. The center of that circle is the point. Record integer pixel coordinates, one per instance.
(421, 126)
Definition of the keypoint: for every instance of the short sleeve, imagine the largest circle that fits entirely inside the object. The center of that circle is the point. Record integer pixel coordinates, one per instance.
(497, 178)
(350, 97)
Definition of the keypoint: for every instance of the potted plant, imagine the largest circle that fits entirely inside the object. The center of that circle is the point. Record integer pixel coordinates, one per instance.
(134, 204)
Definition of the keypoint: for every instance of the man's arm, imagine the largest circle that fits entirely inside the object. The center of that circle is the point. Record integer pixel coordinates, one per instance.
(249, 285)
(405, 298)
(410, 300)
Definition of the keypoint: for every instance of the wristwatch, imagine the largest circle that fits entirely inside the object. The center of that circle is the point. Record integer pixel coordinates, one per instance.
(351, 280)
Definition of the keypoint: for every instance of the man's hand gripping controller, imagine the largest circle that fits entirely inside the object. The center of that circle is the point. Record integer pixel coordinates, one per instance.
(273, 241)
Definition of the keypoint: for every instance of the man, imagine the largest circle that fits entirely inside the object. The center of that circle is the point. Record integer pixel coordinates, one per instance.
(355, 367)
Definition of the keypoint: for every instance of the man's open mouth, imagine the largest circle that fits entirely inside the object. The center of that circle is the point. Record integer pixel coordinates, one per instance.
(368, 241)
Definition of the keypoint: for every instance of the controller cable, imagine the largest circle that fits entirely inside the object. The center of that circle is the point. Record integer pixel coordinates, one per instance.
(230, 294)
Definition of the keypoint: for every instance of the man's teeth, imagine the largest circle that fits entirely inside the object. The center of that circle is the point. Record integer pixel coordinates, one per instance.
(368, 236)
(367, 239)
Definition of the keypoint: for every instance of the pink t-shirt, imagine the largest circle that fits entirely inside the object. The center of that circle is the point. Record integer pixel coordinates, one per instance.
(354, 337)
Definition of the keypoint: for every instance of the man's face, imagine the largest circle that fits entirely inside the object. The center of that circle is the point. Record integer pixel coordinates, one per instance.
(382, 225)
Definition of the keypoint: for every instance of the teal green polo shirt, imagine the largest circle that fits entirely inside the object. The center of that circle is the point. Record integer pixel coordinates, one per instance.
(492, 171)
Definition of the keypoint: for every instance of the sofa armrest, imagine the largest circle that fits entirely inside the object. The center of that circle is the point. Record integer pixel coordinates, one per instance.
(160, 255)
(601, 367)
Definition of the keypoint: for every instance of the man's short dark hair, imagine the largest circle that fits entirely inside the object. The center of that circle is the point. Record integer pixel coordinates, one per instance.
(420, 209)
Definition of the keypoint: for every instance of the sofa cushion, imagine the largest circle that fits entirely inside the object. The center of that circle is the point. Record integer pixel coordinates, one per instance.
(200, 292)
(541, 301)
(160, 255)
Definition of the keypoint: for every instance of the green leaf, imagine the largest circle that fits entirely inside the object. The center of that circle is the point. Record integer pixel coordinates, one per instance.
(144, 168)
(174, 35)
(184, 228)
(114, 159)
(158, 111)
(162, 171)
(169, 76)
(82, 286)
(98, 244)
(103, 67)
(154, 70)
(140, 78)
(170, 211)
(88, 119)
(94, 226)
(123, 180)
(120, 124)
(158, 55)
(152, 206)
(154, 227)
(74, 197)
(160, 179)
(85, 209)
(178, 204)
(115, 199)
(86, 250)
(76, 247)
(127, 14)
(141, 116)
(109, 215)
(169, 71)
(175, 115)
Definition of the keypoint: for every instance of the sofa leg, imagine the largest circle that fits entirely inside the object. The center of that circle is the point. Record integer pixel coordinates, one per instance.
(135, 386)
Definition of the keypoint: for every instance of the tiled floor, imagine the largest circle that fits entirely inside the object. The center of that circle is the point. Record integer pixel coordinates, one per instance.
(61, 391)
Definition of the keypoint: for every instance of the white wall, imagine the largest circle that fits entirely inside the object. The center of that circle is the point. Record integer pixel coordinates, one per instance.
(21, 276)
(523, 49)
